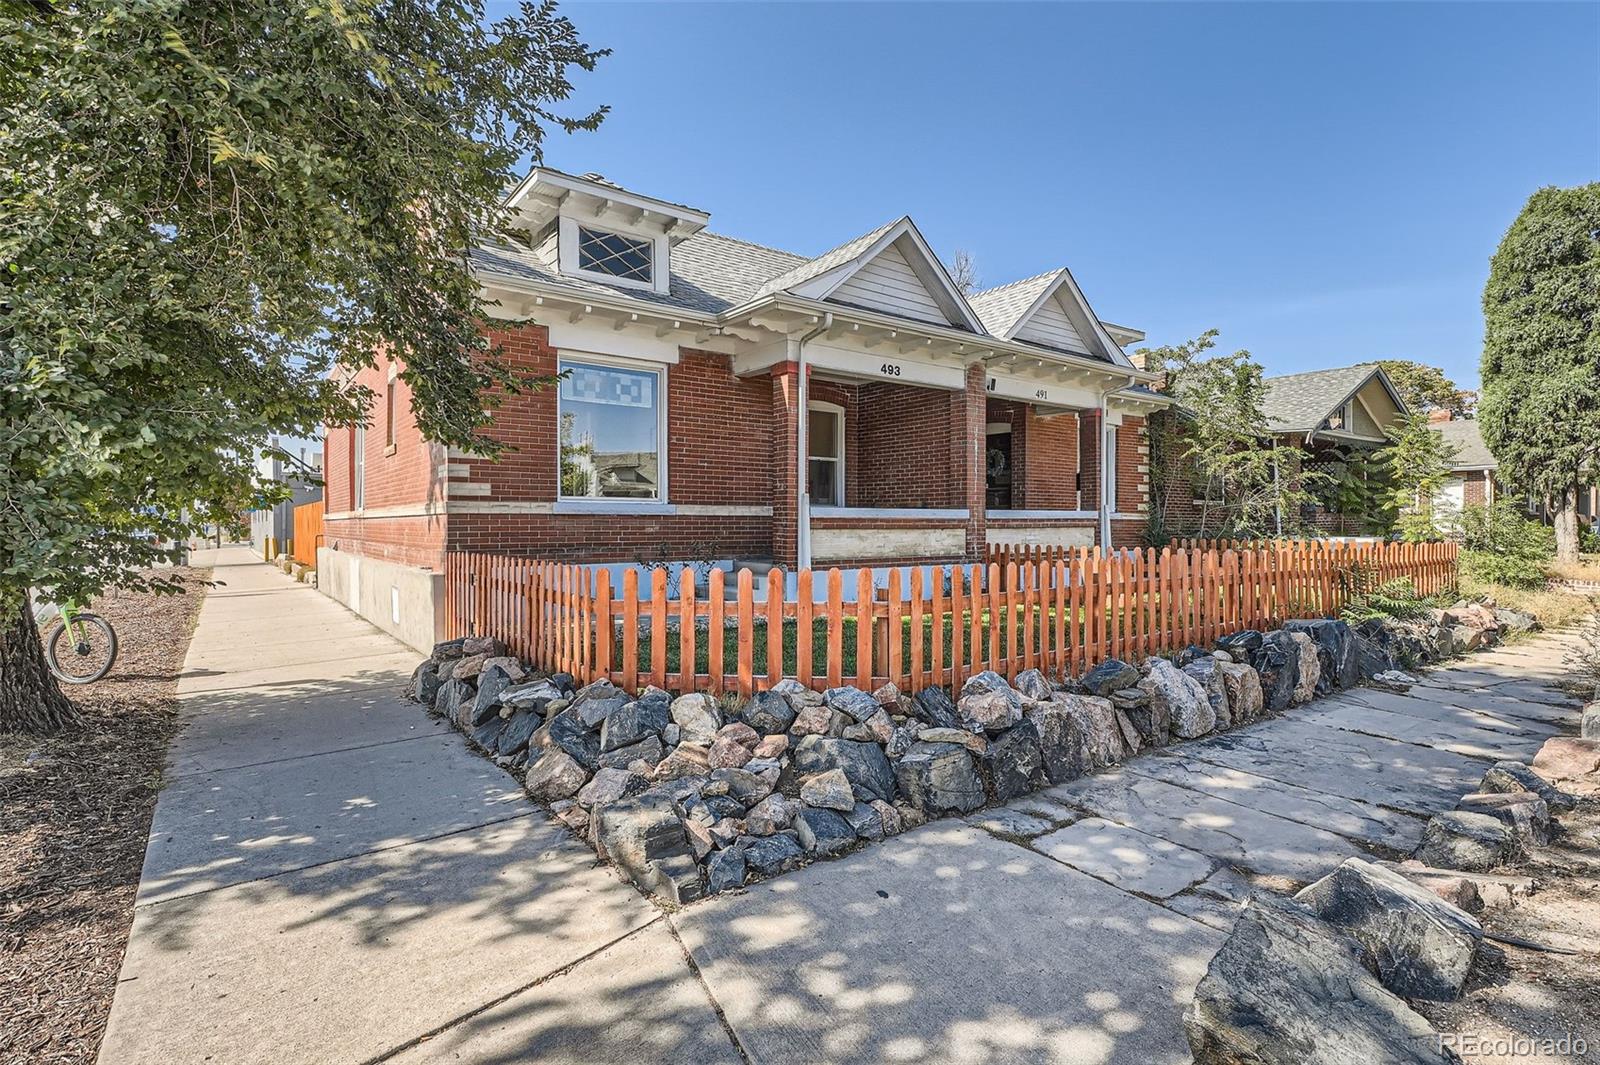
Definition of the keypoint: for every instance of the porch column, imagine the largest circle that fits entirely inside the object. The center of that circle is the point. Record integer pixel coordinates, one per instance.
(786, 417)
(968, 422)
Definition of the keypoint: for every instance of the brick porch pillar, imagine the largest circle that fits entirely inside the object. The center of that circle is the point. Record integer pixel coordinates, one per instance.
(785, 438)
(1090, 438)
(968, 414)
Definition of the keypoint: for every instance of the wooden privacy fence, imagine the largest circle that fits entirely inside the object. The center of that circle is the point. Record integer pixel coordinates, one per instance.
(1062, 611)
(307, 532)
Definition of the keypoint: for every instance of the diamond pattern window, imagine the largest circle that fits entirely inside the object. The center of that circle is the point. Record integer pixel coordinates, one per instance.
(629, 258)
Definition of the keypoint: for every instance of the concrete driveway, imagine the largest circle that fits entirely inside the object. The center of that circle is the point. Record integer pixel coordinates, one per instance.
(333, 877)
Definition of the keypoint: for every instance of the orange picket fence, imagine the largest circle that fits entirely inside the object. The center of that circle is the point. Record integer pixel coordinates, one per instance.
(308, 532)
(1061, 611)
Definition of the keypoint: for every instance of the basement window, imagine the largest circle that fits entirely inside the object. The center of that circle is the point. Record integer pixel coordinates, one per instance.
(612, 421)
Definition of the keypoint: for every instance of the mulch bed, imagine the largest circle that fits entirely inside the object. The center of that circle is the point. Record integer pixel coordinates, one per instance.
(75, 811)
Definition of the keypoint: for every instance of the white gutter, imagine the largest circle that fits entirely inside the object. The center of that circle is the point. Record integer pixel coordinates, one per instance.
(802, 514)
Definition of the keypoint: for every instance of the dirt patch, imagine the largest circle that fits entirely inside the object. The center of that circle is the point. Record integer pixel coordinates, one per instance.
(74, 815)
(1538, 997)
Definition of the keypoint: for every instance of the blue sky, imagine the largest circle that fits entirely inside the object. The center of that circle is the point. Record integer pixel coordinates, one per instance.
(1323, 183)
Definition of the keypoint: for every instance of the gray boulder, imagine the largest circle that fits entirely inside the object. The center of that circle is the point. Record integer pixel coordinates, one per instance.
(1288, 989)
(556, 775)
(725, 870)
(697, 718)
(1420, 945)
(1336, 658)
(1277, 663)
(1471, 841)
(632, 722)
(451, 697)
(854, 703)
(1207, 672)
(985, 681)
(1243, 685)
(1242, 645)
(1589, 728)
(486, 704)
(487, 735)
(1014, 763)
(741, 784)
(593, 703)
(1033, 685)
(566, 732)
(1523, 812)
(769, 713)
(865, 764)
(939, 778)
(448, 649)
(1512, 777)
(1370, 659)
(1111, 675)
(933, 706)
(989, 709)
(535, 695)
(1305, 688)
(425, 682)
(1187, 708)
(771, 855)
(608, 785)
(644, 837)
(519, 729)
(828, 790)
(649, 750)
(866, 821)
(823, 832)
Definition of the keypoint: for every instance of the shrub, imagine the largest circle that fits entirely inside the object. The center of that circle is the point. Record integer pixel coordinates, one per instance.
(1588, 540)
(1501, 546)
(1397, 599)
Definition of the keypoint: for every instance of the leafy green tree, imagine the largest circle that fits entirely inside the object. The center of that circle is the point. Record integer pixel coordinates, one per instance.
(1540, 405)
(1220, 443)
(1415, 465)
(1424, 388)
(210, 213)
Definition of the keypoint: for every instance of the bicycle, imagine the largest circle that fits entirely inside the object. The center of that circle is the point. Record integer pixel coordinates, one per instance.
(81, 646)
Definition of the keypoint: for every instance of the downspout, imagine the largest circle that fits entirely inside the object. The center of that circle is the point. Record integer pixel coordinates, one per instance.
(802, 511)
(1108, 457)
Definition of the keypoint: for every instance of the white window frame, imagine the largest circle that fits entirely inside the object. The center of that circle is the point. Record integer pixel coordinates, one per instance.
(1108, 459)
(358, 479)
(660, 370)
(567, 254)
(839, 479)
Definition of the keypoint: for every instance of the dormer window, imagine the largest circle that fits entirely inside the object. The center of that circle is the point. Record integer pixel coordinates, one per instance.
(616, 255)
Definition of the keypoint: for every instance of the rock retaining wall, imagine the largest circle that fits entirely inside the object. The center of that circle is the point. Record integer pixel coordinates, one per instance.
(690, 795)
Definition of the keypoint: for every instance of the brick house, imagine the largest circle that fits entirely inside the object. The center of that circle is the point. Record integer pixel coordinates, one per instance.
(1315, 420)
(734, 405)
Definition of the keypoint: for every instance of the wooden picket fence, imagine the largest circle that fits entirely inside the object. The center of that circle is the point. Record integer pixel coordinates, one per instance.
(1061, 611)
(307, 532)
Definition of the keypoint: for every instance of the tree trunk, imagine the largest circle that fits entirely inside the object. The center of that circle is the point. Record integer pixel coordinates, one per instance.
(30, 698)
(1566, 521)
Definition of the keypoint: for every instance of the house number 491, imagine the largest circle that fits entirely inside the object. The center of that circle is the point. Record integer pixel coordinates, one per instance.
(889, 369)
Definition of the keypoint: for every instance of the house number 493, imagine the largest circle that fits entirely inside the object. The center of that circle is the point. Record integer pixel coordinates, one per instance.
(889, 369)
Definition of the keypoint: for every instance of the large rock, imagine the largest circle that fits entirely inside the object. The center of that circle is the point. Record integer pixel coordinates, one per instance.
(1288, 989)
(683, 761)
(768, 713)
(1589, 729)
(697, 718)
(771, 855)
(747, 787)
(1568, 758)
(1471, 841)
(425, 682)
(1305, 686)
(607, 786)
(1336, 658)
(933, 706)
(1077, 734)
(1277, 662)
(990, 710)
(1243, 685)
(533, 696)
(644, 837)
(632, 722)
(451, 697)
(486, 704)
(1512, 777)
(556, 775)
(519, 729)
(448, 649)
(566, 732)
(939, 778)
(828, 790)
(595, 702)
(1187, 709)
(649, 750)
(1241, 646)
(1420, 945)
(726, 870)
(1014, 764)
(772, 814)
(1523, 812)
(854, 703)
(1371, 660)
(823, 831)
(1033, 685)
(1207, 672)
(1111, 675)
(865, 764)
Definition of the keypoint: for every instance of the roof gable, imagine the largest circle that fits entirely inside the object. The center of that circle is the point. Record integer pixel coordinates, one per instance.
(1051, 311)
(890, 269)
(1465, 436)
(1303, 402)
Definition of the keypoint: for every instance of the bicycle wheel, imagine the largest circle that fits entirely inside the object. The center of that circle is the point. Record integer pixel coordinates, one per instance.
(89, 657)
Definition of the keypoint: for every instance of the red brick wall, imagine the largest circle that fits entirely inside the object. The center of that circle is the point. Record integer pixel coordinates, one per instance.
(1050, 471)
(416, 540)
(612, 537)
(1472, 488)
(903, 439)
(1089, 437)
(967, 410)
(1132, 481)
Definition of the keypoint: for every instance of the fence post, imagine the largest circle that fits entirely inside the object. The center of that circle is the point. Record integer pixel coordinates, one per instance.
(775, 589)
(835, 628)
(716, 630)
(686, 632)
(630, 629)
(804, 606)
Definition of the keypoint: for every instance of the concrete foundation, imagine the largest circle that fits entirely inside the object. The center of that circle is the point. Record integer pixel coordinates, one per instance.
(405, 601)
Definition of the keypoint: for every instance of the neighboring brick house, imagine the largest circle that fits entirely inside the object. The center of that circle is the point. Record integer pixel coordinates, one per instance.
(1472, 480)
(733, 404)
(1315, 419)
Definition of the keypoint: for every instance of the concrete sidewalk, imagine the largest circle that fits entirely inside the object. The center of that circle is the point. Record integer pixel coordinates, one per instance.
(332, 876)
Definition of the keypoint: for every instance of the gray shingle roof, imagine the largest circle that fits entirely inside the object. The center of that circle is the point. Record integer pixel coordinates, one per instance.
(810, 268)
(999, 308)
(1465, 436)
(1299, 402)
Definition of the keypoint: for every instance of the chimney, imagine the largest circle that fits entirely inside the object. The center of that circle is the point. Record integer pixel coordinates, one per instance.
(1439, 414)
(1137, 358)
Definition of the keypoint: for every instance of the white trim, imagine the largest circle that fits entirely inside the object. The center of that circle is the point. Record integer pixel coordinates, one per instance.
(408, 510)
(926, 264)
(868, 513)
(660, 371)
(567, 254)
(1043, 515)
(839, 477)
(358, 468)
(639, 508)
(611, 506)
(602, 341)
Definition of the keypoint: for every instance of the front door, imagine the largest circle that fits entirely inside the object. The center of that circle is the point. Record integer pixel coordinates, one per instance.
(997, 470)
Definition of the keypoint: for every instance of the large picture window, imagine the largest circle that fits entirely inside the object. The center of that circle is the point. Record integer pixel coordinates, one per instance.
(825, 454)
(611, 438)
